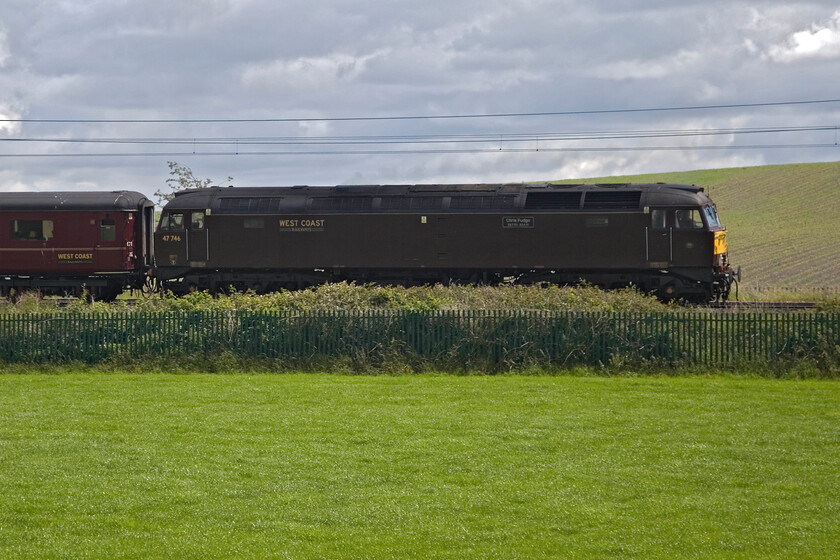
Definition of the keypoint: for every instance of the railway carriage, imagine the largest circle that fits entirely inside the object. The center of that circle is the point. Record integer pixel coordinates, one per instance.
(662, 238)
(66, 242)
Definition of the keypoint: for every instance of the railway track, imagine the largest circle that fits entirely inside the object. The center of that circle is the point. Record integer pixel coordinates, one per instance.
(64, 302)
(762, 305)
(723, 305)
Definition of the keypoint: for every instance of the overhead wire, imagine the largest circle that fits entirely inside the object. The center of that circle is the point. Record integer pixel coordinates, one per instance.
(426, 151)
(427, 117)
(422, 139)
(490, 142)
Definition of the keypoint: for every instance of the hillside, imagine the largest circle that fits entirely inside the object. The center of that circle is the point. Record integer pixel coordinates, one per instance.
(783, 221)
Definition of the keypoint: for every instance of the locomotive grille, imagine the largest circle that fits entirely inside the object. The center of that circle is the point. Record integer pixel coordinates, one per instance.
(612, 200)
(481, 202)
(552, 201)
(412, 203)
(342, 203)
(261, 205)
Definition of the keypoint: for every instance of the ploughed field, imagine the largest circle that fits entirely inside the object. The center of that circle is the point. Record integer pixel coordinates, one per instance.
(315, 466)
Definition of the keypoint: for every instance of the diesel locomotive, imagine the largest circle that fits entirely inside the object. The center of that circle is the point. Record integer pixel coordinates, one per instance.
(662, 238)
(64, 243)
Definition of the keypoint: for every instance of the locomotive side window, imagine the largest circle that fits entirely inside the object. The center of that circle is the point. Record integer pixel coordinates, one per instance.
(107, 230)
(172, 221)
(689, 219)
(31, 230)
(658, 218)
(197, 220)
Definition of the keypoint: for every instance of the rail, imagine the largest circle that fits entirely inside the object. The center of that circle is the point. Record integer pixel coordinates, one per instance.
(763, 305)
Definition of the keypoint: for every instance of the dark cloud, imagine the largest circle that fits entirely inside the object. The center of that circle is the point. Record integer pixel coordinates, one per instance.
(88, 59)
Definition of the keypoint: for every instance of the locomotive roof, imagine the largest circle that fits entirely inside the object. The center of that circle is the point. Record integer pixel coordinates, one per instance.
(293, 199)
(73, 200)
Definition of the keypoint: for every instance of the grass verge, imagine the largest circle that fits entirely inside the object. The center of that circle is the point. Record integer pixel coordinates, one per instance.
(316, 466)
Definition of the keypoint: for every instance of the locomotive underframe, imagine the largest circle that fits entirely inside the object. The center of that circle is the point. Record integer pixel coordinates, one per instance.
(691, 284)
(103, 286)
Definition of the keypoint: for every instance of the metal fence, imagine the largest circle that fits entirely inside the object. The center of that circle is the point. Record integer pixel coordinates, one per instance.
(447, 339)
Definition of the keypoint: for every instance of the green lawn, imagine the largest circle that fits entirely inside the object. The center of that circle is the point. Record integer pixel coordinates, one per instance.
(321, 466)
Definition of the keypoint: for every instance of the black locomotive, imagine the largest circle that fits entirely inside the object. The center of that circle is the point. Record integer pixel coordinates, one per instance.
(662, 238)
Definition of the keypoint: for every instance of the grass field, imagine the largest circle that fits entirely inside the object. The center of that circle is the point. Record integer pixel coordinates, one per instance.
(782, 219)
(321, 466)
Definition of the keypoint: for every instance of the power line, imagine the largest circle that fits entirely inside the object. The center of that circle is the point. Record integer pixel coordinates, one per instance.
(429, 117)
(425, 139)
(427, 151)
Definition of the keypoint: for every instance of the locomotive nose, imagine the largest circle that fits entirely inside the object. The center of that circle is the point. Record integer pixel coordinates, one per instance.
(720, 243)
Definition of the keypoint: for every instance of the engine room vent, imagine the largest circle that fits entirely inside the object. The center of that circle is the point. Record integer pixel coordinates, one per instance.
(411, 203)
(552, 201)
(394, 203)
(481, 202)
(342, 203)
(242, 205)
(612, 200)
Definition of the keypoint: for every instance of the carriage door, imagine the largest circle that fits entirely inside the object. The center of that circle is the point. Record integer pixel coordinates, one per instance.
(659, 238)
(198, 241)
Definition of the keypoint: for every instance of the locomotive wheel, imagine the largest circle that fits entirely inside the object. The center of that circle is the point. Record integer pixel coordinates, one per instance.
(668, 292)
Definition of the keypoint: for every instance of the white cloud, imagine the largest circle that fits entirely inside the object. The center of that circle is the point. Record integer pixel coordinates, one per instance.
(640, 69)
(6, 113)
(306, 72)
(820, 41)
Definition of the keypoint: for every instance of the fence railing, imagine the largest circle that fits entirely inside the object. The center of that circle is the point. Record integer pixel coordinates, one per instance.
(453, 339)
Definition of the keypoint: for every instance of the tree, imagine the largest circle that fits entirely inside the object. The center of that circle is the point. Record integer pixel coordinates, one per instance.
(181, 178)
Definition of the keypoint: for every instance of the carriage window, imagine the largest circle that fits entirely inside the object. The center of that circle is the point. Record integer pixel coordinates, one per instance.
(107, 230)
(31, 230)
(197, 220)
(657, 218)
(170, 221)
(689, 219)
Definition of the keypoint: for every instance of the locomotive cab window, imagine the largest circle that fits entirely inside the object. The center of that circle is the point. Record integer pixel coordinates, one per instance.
(31, 230)
(107, 230)
(688, 219)
(711, 217)
(171, 221)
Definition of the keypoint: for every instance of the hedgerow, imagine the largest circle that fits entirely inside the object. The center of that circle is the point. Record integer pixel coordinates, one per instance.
(368, 297)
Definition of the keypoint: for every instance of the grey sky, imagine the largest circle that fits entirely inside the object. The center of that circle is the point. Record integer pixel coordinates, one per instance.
(263, 59)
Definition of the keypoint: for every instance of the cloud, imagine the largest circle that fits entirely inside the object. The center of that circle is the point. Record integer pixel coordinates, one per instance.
(640, 69)
(4, 49)
(8, 113)
(262, 59)
(306, 72)
(820, 41)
